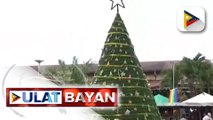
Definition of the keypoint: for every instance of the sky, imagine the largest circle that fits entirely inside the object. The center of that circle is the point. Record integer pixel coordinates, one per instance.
(60, 29)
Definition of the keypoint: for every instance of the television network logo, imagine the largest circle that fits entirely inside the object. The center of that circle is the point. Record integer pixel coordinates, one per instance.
(62, 97)
(191, 19)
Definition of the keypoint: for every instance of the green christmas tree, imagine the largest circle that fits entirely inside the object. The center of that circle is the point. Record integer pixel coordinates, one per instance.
(119, 66)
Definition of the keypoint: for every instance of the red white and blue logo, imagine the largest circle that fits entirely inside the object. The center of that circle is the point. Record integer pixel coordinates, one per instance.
(63, 97)
(14, 97)
(191, 19)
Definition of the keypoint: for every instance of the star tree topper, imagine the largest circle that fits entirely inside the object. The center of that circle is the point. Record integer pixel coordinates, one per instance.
(117, 3)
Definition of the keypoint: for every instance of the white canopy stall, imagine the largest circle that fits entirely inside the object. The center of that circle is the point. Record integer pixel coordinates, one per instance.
(200, 101)
(203, 99)
(196, 104)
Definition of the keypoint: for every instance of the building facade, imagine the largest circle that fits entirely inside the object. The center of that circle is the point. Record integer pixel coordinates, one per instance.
(152, 69)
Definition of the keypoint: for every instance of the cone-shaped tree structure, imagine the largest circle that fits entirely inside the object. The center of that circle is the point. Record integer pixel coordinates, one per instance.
(119, 66)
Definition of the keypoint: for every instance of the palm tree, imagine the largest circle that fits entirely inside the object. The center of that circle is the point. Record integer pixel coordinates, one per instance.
(167, 82)
(179, 81)
(71, 74)
(196, 72)
(206, 76)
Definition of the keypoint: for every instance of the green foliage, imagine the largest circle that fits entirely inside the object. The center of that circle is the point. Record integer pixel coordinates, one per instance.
(119, 66)
(69, 74)
(196, 73)
(168, 77)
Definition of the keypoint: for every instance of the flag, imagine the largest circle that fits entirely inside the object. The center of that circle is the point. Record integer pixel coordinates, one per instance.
(173, 96)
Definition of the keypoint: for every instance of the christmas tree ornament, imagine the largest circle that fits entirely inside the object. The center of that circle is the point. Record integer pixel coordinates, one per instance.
(110, 74)
(129, 81)
(125, 62)
(121, 94)
(127, 112)
(130, 76)
(101, 72)
(137, 93)
(149, 109)
(104, 83)
(123, 74)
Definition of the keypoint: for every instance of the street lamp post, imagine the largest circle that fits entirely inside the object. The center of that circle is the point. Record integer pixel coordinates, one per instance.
(39, 63)
(173, 75)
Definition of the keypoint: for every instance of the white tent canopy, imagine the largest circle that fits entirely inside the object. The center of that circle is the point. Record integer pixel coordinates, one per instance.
(203, 99)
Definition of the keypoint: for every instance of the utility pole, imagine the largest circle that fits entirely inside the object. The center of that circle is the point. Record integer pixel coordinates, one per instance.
(173, 75)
